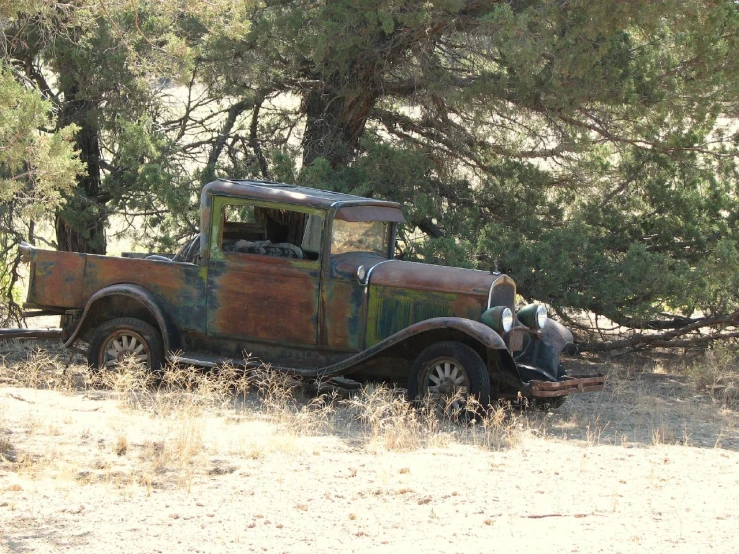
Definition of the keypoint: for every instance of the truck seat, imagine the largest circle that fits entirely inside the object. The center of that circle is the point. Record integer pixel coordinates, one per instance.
(265, 247)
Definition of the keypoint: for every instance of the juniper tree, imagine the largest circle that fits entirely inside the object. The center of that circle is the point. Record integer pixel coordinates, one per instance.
(103, 67)
(587, 148)
(36, 168)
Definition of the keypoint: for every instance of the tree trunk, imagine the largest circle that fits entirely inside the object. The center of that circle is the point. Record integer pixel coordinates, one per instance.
(335, 120)
(81, 223)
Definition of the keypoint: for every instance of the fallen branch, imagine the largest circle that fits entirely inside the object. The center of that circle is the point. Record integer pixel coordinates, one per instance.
(723, 327)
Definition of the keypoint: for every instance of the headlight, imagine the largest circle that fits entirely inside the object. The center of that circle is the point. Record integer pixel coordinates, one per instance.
(361, 274)
(499, 318)
(533, 316)
(541, 315)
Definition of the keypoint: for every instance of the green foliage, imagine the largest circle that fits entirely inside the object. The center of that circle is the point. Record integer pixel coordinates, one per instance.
(35, 167)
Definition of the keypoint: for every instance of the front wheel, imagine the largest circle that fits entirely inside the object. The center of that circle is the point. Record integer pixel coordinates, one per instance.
(449, 374)
(125, 338)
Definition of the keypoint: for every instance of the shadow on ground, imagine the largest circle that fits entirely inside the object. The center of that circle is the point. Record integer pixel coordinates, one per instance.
(642, 405)
(647, 401)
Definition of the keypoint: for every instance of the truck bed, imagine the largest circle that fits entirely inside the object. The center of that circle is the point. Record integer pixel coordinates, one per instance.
(62, 281)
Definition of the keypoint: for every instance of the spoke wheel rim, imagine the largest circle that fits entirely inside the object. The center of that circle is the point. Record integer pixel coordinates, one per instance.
(122, 345)
(446, 384)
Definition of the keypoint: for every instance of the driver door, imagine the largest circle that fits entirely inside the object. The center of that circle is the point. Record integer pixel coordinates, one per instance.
(263, 279)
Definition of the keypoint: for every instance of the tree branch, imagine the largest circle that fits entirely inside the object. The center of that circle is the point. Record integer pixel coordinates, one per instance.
(672, 339)
(254, 137)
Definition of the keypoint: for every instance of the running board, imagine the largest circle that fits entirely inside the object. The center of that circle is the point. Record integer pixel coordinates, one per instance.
(198, 359)
(210, 362)
(30, 334)
(204, 360)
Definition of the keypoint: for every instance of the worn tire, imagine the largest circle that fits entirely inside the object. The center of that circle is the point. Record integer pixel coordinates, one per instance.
(430, 367)
(128, 337)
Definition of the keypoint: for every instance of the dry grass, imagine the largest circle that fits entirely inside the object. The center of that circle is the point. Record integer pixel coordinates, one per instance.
(239, 462)
(192, 416)
(717, 374)
(6, 450)
(182, 403)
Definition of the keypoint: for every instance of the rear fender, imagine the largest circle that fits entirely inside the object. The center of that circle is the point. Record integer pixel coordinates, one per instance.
(139, 295)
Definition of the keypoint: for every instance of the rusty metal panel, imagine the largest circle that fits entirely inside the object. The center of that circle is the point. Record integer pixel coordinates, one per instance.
(344, 301)
(344, 315)
(56, 279)
(181, 286)
(403, 293)
(392, 309)
(437, 278)
(568, 385)
(264, 297)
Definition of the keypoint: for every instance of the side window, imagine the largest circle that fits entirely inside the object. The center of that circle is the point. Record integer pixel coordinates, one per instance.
(271, 232)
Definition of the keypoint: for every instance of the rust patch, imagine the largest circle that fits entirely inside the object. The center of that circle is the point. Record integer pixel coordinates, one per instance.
(180, 286)
(264, 298)
(56, 279)
(568, 385)
(344, 314)
(394, 308)
(436, 278)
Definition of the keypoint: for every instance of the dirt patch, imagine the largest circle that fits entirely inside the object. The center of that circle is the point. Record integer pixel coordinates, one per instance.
(649, 463)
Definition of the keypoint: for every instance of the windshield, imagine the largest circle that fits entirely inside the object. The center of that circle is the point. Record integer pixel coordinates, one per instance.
(360, 236)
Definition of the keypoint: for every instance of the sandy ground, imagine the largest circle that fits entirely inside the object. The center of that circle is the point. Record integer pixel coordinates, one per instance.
(647, 465)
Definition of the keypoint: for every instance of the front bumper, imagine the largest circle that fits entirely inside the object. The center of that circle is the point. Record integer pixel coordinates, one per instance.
(567, 385)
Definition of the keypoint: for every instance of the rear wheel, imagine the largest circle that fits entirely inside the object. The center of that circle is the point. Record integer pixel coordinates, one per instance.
(125, 338)
(449, 374)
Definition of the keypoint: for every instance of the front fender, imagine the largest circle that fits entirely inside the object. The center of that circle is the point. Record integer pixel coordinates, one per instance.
(477, 331)
(473, 329)
(167, 326)
(542, 355)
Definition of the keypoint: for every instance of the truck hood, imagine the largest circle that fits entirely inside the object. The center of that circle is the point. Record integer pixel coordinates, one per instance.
(432, 278)
(432, 282)
(403, 293)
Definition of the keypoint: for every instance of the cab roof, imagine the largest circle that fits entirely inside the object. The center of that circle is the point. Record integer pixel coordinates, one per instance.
(290, 194)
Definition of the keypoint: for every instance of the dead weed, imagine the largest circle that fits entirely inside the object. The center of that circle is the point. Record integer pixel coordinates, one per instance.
(717, 374)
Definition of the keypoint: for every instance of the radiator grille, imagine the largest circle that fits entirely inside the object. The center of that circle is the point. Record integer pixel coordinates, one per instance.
(504, 294)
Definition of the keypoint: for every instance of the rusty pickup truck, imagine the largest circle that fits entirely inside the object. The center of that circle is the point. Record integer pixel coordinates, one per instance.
(306, 281)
